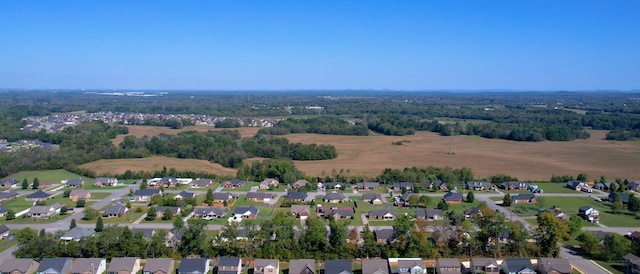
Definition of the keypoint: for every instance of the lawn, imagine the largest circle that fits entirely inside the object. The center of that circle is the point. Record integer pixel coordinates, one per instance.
(245, 188)
(616, 268)
(129, 218)
(54, 176)
(549, 187)
(99, 195)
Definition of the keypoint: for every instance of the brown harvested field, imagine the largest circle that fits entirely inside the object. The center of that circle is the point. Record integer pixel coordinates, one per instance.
(140, 131)
(369, 155)
(156, 163)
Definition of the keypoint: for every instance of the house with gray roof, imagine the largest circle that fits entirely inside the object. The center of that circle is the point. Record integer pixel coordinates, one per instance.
(208, 212)
(201, 183)
(452, 198)
(168, 181)
(301, 211)
(334, 198)
(406, 266)
(54, 266)
(631, 263)
(268, 183)
(338, 267)
(514, 185)
(38, 196)
(3, 211)
(4, 231)
(398, 186)
(554, 266)
(9, 183)
(19, 266)
(184, 195)
(368, 186)
(295, 196)
(479, 185)
(382, 214)
(333, 185)
(524, 198)
(375, 266)
(229, 265)
(124, 265)
(160, 210)
(44, 211)
(79, 194)
(8, 195)
(105, 181)
(484, 265)
(74, 183)
(472, 213)
(266, 266)
(302, 266)
(221, 197)
(300, 183)
(385, 235)
(158, 266)
(194, 266)
(246, 212)
(89, 266)
(517, 266)
(77, 233)
(429, 214)
(144, 195)
(259, 196)
(234, 183)
(117, 210)
(448, 266)
(373, 198)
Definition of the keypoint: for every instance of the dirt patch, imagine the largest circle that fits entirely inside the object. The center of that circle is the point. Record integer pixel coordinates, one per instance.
(156, 163)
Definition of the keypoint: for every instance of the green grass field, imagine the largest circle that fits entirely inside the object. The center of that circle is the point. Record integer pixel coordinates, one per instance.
(54, 176)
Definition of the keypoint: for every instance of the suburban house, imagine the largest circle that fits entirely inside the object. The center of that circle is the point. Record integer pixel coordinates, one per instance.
(266, 266)
(411, 267)
(452, 198)
(295, 196)
(300, 183)
(144, 232)
(333, 185)
(158, 266)
(259, 196)
(373, 198)
(624, 197)
(518, 266)
(576, 185)
(382, 214)
(606, 185)
(340, 212)
(44, 184)
(634, 186)
(479, 185)
(334, 198)
(3, 211)
(524, 198)
(168, 181)
(448, 266)
(300, 211)
(631, 264)
(472, 213)
(429, 214)
(19, 266)
(385, 235)
(302, 266)
(556, 212)
(105, 181)
(484, 265)
(4, 232)
(375, 266)
(221, 197)
(77, 233)
(54, 266)
(246, 212)
(228, 265)
(89, 266)
(194, 266)
(38, 196)
(589, 213)
(4, 196)
(9, 183)
(124, 265)
(160, 210)
(79, 194)
(144, 195)
(184, 195)
(338, 267)
(44, 211)
(117, 210)
(75, 183)
(208, 212)
(269, 183)
(201, 183)
(554, 266)
(399, 186)
(514, 185)
(438, 185)
(234, 183)
(368, 186)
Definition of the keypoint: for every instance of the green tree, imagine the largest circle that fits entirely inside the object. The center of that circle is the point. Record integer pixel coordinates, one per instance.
(90, 213)
(128, 205)
(11, 215)
(167, 214)
(72, 224)
(80, 203)
(549, 232)
(337, 239)
(506, 200)
(590, 246)
(615, 247)
(25, 183)
(574, 224)
(617, 207)
(209, 197)
(192, 241)
(582, 177)
(66, 193)
(634, 204)
(443, 205)
(413, 200)
(151, 214)
(36, 183)
(63, 210)
(143, 185)
(178, 224)
(470, 197)
(99, 224)
(425, 200)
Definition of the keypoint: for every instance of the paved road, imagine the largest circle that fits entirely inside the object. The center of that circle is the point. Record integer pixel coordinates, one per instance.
(7, 254)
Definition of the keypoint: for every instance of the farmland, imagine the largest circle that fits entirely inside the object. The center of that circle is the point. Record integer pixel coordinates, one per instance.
(156, 163)
(141, 131)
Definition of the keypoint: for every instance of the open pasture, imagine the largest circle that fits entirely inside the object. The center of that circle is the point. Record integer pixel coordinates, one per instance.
(141, 131)
(154, 163)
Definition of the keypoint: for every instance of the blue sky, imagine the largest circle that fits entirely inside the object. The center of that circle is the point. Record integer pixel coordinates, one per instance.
(240, 45)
